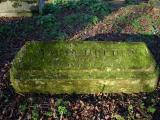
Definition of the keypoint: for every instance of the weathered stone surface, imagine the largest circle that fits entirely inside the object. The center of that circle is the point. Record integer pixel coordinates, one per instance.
(83, 67)
(8, 9)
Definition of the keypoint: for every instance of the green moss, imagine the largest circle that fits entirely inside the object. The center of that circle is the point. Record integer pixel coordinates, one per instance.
(83, 67)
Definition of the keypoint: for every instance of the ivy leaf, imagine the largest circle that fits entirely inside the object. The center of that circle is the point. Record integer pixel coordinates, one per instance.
(151, 109)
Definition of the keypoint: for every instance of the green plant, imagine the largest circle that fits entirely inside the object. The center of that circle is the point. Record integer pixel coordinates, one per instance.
(130, 109)
(153, 2)
(51, 9)
(51, 27)
(49, 113)
(73, 20)
(157, 26)
(93, 20)
(119, 22)
(100, 9)
(81, 13)
(62, 110)
(135, 23)
(4, 30)
(62, 107)
(144, 25)
(117, 117)
(142, 106)
(89, 19)
(35, 113)
(27, 28)
(151, 109)
(23, 107)
(85, 3)
(60, 35)
(72, 5)
(47, 21)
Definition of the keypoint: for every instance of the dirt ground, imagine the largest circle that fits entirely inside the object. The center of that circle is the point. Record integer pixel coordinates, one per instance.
(120, 25)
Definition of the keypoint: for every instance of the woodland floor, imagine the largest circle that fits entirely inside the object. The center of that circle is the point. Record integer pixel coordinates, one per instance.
(131, 23)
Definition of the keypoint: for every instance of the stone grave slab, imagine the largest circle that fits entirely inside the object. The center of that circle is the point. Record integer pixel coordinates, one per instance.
(10, 8)
(83, 67)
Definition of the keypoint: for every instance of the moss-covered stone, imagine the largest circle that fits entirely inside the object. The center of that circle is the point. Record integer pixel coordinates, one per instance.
(83, 67)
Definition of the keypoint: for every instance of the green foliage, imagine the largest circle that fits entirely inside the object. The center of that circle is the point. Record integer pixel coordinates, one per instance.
(81, 13)
(100, 9)
(23, 107)
(130, 109)
(51, 9)
(4, 30)
(151, 109)
(62, 107)
(130, 112)
(92, 7)
(144, 24)
(117, 117)
(93, 19)
(142, 106)
(83, 20)
(119, 22)
(62, 110)
(47, 21)
(49, 113)
(153, 2)
(59, 102)
(51, 26)
(35, 113)
(156, 24)
(136, 24)
(72, 19)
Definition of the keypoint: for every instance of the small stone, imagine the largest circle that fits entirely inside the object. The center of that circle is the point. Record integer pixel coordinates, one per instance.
(77, 117)
(138, 115)
(2, 70)
(107, 117)
(29, 117)
(144, 97)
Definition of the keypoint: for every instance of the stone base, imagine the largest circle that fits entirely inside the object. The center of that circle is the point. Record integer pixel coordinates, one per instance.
(25, 14)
